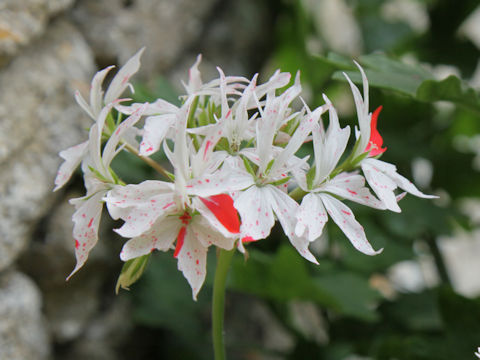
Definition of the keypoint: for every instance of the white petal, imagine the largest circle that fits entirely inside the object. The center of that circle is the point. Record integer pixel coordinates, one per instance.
(192, 261)
(256, 212)
(194, 77)
(381, 184)
(311, 217)
(121, 79)
(159, 107)
(351, 186)
(222, 181)
(155, 130)
(210, 221)
(85, 230)
(344, 218)
(208, 235)
(407, 185)
(110, 147)
(161, 237)
(146, 202)
(72, 156)
(285, 209)
(96, 93)
(84, 105)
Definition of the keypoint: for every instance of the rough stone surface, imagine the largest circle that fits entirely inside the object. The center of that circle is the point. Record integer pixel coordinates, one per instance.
(23, 20)
(69, 306)
(38, 118)
(23, 334)
(165, 27)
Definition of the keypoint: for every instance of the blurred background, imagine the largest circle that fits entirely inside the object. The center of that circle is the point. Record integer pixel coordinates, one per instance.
(419, 299)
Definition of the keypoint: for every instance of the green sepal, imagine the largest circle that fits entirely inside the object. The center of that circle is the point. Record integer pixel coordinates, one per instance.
(281, 181)
(191, 114)
(110, 122)
(170, 175)
(310, 177)
(291, 126)
(269, 166)
(98, 175)
(248, 165)
(132, 270)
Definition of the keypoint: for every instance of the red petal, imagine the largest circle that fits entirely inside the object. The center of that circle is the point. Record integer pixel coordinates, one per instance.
(376, 142)
(248, 239)
(222, 207)
(180, 240)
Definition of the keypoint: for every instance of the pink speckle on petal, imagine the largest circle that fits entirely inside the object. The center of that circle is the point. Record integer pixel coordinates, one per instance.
(90, 222)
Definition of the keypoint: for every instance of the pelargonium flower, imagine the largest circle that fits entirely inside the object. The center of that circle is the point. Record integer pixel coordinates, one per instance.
(381, 176)
(323, 188)
(233, 145)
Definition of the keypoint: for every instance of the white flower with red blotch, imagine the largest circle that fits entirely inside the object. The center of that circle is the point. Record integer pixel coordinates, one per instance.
(194, 212)
(324, 188)
(381, 176)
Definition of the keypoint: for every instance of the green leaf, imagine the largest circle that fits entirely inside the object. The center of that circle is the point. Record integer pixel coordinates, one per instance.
(450, 89)
(386, 73)
(412, 80)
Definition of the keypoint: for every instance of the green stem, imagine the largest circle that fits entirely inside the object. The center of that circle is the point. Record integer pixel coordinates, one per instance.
(218, 305)
(159, 168)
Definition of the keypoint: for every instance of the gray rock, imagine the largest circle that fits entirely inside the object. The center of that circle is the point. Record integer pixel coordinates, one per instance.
(23, 335)
(23, 20)
(38, 118)
(69, 306)
(165, 27)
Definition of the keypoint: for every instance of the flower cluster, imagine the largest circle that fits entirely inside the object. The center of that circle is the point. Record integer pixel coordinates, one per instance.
(233, 146)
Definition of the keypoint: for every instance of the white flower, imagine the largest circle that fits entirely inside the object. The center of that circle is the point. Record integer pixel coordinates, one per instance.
(117, 86)
(98, 180)
(320, 200)
(381, 176)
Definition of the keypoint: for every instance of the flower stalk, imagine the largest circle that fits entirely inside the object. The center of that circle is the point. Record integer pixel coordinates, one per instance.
(218, 305)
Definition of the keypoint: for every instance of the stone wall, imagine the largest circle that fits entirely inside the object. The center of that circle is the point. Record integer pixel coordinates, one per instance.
(48, 49)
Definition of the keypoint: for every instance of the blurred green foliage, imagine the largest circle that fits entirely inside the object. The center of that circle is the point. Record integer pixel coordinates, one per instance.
(359, 315)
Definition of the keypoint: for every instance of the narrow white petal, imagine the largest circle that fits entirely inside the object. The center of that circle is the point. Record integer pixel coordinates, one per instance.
(344, 218)
(408, 186)
(72, 156)
(159, 107)
(96, 93)
(110, 147)
(192, 261)
(351, 186)
(285, 209)
(84, 105)
(311, 217)
(121, 80)
(85, 230)
(382, 185)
